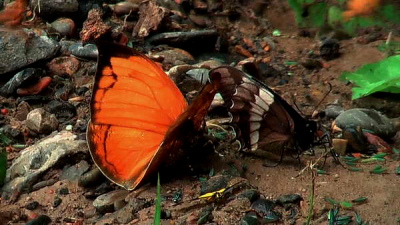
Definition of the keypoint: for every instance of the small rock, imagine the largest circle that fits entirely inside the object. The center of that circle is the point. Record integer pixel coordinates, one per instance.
(74, 172)
(25, 47)
(36, 88)
(42, 122)
(215, 183)
(32, 205)
(65, 27)
(369, 120)
(333, 111)
(250, 194)
(57, 201)
(91, 178)
(209, 64)
(37, 159)
(200, 41)
(125, 8)
(64, 65)
(250, 218)
(127, 213)
(63, 111)
(22, 111)
(176, 57)
(263, 206)
(42, 184)
(40, 220)
(329, 49)
(205, 215)
(51, 8)
(27, 75)
(63, 191)
(88, 51)
(177, 71)
(105, 203)
(291, 198)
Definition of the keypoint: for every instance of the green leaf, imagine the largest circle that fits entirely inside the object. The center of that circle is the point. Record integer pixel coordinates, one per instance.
(330, 200)
(397, 171)
(358, 218)
(346, 205)
(321, 172)
(3, 165)
(157, 213)
(350, 163)
(4, 140)
(380, 155)
(355, 169)
(382, 76)
(360, 200)
(378, 170)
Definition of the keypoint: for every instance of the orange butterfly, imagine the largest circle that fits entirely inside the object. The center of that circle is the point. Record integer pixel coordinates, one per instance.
(138, 115)
(360, 7)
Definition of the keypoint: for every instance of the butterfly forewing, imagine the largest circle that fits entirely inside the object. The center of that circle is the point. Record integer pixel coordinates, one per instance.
(133, 105)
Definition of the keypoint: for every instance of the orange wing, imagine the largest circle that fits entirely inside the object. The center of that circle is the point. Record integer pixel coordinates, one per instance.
(133, 105)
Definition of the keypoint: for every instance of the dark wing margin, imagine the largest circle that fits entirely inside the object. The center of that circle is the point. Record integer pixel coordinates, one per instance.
(256, 112)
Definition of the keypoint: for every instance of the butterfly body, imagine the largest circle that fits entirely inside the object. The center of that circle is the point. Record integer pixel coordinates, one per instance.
(264, 119)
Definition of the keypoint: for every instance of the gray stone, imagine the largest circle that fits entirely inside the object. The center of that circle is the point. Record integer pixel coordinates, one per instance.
(37, 159)
(20, 48)
(367, 119)
(24, 76)
(127, 213)
(74, 172)
(105, 203)
(41, 121)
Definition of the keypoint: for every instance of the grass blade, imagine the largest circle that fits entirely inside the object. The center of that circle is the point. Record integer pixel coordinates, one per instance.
(157, 213)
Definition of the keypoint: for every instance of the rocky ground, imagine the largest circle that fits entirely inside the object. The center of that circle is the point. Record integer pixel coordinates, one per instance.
(46, 77)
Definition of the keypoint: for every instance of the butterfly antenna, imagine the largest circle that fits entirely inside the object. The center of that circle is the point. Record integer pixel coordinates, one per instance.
(297, 107)
(326, 95)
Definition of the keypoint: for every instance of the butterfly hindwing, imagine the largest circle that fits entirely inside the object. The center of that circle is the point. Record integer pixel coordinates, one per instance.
(260, 116)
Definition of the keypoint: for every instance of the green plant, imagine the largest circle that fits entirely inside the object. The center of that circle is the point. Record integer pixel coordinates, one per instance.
(383, 76)
(317, 14)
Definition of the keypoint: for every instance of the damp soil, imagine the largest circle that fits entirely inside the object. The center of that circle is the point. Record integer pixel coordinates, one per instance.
(307, 88)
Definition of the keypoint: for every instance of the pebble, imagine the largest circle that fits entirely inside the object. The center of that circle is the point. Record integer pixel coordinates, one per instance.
(24, 76)
(57, 201)
(368, 119)
(63, 191)
(64, 66)
(105, 203)
(74, 172)
(22, 111)
(176, 57)
(329, 49)
(290, 198)
(39, 158)
(36, 88)
(91, 178)
(32, 205)
(41, 121)
(125, 8)
(40, 220)
(25, 47)
(65, 27)
(63, 111)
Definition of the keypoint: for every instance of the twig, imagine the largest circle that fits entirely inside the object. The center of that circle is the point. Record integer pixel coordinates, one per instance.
(312, 192)
(312, 165)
